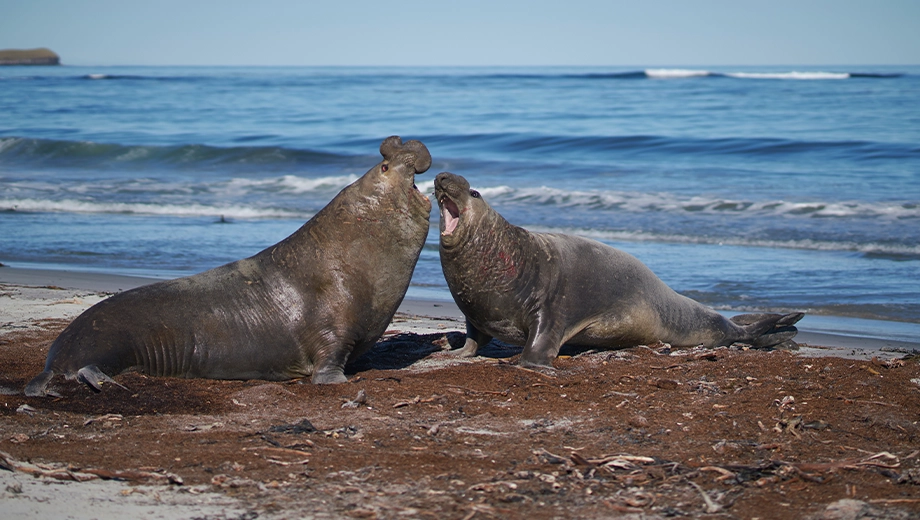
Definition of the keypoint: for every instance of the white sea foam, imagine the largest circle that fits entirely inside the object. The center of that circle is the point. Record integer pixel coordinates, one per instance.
(96, 76)
(675, 73)
(697, 73)
(43, 196)
(291, 183)
(29, 187)
(498, 191)
(133, 153)
(287, 184)
(426, 186)
(788, 75)
(806, 244)
(180, 210)
(670, 202)
(7, 142)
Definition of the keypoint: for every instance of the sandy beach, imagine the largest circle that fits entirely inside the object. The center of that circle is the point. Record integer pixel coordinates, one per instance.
(830, 429)
(33, 295)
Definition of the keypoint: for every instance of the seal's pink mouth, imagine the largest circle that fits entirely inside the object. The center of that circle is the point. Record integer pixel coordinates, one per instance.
(450, 215)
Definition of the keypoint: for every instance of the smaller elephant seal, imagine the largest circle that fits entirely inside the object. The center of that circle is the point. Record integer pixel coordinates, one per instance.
(544, 290)
(302, 307)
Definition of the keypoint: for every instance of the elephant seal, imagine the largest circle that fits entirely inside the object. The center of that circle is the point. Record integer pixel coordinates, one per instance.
(543, 290)
(304, 306)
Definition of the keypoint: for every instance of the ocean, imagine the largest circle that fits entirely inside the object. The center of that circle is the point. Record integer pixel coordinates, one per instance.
(746, 188)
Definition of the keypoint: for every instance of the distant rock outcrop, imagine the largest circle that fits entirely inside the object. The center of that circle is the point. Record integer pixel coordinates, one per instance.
(29, 57)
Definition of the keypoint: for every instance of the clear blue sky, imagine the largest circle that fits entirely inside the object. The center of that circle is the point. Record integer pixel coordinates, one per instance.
(467, 32)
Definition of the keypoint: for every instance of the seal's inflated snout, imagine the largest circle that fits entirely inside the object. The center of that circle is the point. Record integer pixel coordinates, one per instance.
(407, 160)
(413, 154)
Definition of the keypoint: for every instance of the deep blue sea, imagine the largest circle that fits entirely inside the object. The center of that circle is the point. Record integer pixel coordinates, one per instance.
(746, 188)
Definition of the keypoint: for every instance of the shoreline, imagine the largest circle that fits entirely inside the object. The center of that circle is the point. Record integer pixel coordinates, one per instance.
(37, 296)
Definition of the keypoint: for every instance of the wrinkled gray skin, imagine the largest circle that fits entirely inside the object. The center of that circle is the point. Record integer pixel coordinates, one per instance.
(302, 307)
(544, 290)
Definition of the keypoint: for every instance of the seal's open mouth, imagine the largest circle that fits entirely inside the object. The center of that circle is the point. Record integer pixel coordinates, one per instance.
(450, 215)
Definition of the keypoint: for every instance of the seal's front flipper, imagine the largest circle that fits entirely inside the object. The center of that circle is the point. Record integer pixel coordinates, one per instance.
(38, 386)
(329, 365)
(474, 340)
(94, 378)
(329, 377)
(769, 330)
(543, 344)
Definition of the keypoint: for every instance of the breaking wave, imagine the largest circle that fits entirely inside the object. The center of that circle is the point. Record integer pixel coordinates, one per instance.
(357, 74)
(31, 152)
(673, 203)
(142, 208)
(23, 150)
(868, 248)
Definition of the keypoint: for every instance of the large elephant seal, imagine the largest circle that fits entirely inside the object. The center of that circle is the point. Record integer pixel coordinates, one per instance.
(302, 307)
(544, 290)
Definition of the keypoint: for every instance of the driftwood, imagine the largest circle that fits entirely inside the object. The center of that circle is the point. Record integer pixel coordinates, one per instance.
(61, 472)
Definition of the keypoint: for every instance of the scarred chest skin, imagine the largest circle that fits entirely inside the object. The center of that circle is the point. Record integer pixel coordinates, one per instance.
(490, 274)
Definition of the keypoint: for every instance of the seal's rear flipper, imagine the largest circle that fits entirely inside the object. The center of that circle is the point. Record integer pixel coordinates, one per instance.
(769, 330)
(38, 386)
(777, 338)
(94, 378)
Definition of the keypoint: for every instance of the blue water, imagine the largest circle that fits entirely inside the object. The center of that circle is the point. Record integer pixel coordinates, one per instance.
(747, 188)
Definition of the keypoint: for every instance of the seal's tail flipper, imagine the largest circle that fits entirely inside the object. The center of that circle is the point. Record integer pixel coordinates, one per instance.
(769, 330)
(94, 378)
(38, 386)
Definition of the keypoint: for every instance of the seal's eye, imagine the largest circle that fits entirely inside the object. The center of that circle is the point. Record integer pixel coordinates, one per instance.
(474, 194)
(384, 167)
